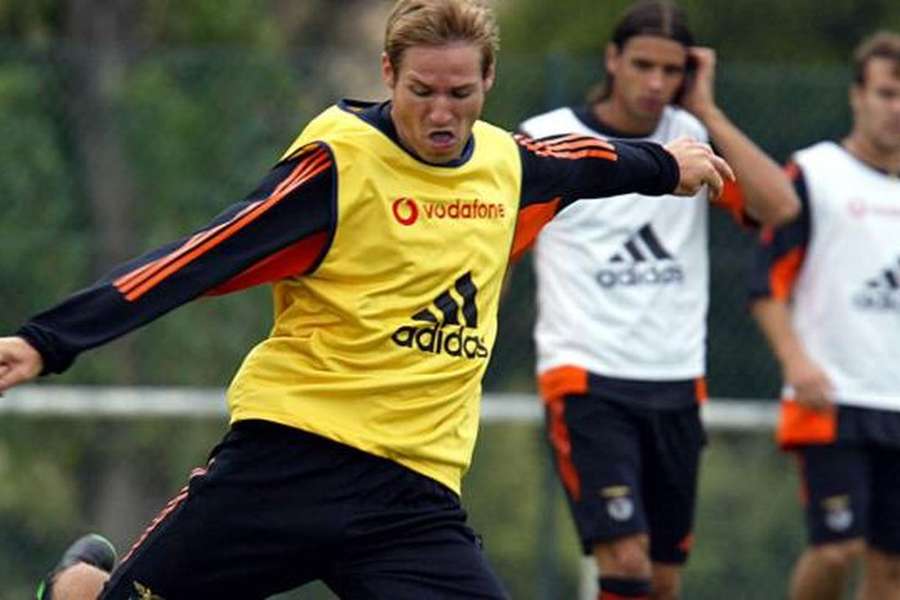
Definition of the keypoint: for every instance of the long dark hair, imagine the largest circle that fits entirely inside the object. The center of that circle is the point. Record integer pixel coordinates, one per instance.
(659, 18)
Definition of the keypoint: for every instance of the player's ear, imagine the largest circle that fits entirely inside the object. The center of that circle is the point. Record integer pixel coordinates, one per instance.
(387, 71)
(611, 58)
(488, 79)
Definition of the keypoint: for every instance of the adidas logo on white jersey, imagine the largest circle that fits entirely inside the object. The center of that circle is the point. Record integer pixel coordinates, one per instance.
(643, 260)
(435, 337)
(882, 292)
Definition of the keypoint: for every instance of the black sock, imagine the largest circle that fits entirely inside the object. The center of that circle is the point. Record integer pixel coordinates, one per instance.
(623, 588)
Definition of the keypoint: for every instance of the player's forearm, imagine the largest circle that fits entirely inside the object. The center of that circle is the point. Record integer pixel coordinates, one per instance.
(575, 167)
(642, 167)
(774, 321)
(770, 196)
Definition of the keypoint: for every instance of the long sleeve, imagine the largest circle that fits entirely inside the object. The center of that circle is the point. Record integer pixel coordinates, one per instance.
(282, 229)
(559, 170)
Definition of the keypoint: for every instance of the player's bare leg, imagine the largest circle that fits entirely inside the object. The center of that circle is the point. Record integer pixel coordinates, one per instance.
(822, 571)
(666, 582)
(625, 567)
(81, 572)
(79, 582)
(881, 576)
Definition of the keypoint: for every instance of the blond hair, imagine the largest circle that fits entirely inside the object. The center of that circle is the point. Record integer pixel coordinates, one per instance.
(883, 44)
(439, 22)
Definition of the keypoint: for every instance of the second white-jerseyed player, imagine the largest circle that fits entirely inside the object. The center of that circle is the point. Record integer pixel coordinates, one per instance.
(621, 337)
(623, 286)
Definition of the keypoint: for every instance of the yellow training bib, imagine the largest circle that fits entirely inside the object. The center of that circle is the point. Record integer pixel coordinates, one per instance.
(383, 347)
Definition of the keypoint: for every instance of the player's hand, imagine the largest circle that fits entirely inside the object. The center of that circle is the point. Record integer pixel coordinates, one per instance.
(811, 385)
(699, 166)
(699, 91)
(19, 362)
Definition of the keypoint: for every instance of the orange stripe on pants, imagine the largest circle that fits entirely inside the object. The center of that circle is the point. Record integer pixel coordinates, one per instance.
(554, 385)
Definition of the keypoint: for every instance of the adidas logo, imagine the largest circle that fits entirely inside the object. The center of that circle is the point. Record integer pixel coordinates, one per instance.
(638, 263)
(881, 293)
(435, 337)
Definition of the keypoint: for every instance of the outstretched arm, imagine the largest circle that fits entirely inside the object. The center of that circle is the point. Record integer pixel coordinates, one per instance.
(558, 170)
(769, 196)
(280, 230)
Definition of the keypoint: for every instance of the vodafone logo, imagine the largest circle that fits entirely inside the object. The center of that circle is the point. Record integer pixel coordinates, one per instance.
(406, 211)
(873, 208)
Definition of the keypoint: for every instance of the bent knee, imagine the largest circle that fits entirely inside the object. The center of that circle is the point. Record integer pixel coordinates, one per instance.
(79, 582)
(884, 565)
(666, 582)
(625, 557)
(838, 555)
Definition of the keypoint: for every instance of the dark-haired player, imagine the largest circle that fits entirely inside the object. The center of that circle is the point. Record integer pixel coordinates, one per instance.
(622, 300)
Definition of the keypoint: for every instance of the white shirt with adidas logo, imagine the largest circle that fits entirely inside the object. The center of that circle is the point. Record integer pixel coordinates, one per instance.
(846, 299)
(623, 281)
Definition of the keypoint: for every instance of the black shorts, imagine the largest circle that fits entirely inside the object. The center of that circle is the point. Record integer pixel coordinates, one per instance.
(278, 507)
(631, 467)
(852, 491)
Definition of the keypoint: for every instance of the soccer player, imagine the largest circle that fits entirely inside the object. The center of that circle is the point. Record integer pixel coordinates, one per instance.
(622, 290)
(826, 294)
(386, 230)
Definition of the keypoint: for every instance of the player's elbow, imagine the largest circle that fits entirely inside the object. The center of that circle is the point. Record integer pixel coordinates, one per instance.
(786, 210)
(775, 209)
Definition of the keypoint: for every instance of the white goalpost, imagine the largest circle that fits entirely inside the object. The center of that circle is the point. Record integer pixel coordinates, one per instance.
(126, 401)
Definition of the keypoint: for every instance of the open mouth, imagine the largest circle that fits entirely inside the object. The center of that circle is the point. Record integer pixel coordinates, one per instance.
(442, 139)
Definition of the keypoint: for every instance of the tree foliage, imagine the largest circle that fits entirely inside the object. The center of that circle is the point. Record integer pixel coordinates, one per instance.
(196, 99)
(763, 31)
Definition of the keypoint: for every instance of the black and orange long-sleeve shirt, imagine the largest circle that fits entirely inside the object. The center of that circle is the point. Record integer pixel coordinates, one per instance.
(387, 275)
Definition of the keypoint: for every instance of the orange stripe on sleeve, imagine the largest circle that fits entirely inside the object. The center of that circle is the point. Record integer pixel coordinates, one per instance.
(125, 283)
(783, 273)
(571, 148)
(233, 228)
(612, 156)
(293, 260)
(531, 220)
(136, 284)
(732, 200)
(580, 142)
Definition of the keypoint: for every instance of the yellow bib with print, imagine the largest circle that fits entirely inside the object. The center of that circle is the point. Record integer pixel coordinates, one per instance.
(383, 347)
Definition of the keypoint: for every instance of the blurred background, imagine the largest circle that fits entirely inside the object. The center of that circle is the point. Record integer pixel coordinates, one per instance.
(126, 123)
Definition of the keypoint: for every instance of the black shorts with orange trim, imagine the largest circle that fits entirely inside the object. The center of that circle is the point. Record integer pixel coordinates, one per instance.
(629, 466)
(852, 491)
(279, 507)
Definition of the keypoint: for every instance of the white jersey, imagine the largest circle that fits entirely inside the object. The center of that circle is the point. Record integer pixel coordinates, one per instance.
(622, 282)
(846, 299)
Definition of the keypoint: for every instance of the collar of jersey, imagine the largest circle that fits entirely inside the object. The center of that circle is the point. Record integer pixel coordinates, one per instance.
(585, 114)
(867, 165)
(378, 115)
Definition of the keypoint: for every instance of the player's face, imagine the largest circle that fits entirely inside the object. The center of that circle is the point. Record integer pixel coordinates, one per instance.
(437, 95)
(876, 105)
(648, 71)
